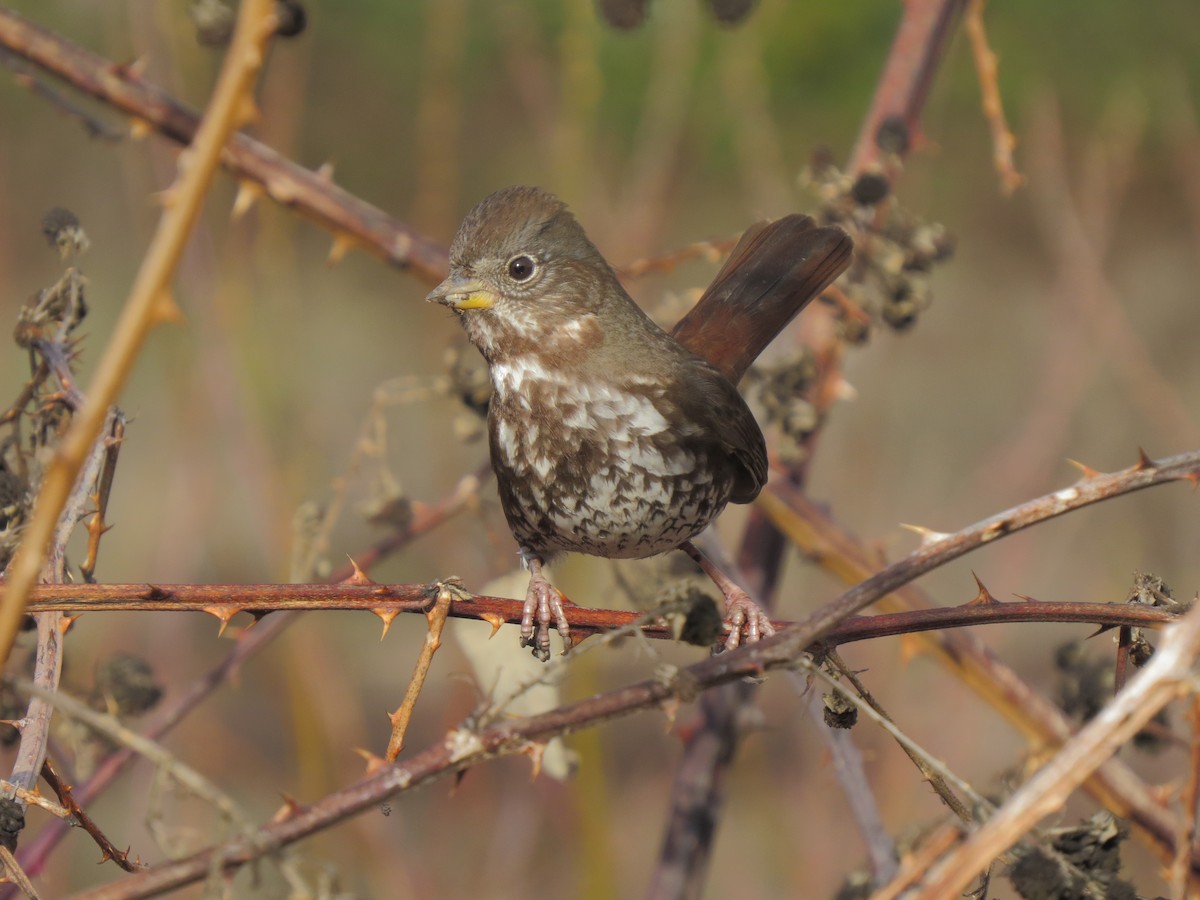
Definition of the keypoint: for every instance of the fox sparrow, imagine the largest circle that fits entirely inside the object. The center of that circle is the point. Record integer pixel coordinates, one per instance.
(609, 436)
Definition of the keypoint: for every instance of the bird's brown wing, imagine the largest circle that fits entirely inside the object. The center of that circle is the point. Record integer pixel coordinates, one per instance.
(712, 401)
(772, 273)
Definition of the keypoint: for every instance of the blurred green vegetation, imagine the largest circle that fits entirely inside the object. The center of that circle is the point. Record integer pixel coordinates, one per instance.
(677, 132)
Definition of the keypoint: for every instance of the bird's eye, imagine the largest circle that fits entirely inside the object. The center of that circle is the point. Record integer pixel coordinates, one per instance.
(521, 268)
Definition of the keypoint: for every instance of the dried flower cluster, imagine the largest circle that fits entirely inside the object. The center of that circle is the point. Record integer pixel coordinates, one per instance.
(41, 411)
(895, 250)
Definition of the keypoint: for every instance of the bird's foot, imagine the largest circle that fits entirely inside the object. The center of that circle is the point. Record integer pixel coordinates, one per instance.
(745, 620)
(545, 602)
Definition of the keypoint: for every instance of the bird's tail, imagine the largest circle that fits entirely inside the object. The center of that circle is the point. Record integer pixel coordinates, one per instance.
(773, 272)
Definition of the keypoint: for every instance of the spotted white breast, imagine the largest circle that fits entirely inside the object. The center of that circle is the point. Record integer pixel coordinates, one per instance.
(596, 467)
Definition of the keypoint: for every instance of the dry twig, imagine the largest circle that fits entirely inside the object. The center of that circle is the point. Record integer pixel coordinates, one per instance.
(446, 594)
(1003, 141)
(72, 809)
(111, 437)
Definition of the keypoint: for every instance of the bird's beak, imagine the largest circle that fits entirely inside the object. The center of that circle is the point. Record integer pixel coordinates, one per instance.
(462, 293)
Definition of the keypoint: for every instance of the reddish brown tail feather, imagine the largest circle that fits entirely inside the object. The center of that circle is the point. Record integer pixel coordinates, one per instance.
(773, 272)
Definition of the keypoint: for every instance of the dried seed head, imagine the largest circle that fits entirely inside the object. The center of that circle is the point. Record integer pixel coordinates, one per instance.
(62, 230)
(129, 683)
(892, 136)
(293, 18)
(870, 189)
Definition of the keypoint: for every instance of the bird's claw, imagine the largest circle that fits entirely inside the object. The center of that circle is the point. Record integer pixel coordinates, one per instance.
(744, 617)
(548, 604)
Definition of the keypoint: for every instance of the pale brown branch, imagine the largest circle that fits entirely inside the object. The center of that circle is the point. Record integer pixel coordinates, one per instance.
(1121, 669)
(1179, 871)
(1166, 677)
(113, 437)
(35, 734)
(14, 873)
(149, 301)
(1003, 141)
(33, 798)
(937, 549)
(962, 653)
(433, 640)
(917, 864)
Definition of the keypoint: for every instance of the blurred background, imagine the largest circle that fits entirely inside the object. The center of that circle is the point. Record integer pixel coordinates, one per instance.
(1066, 326)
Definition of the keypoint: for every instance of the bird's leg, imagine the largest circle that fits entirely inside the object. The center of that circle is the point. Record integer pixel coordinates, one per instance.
(547, 602)
(742, 613)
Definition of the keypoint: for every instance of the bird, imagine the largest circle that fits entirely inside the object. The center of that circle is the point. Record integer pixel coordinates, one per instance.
(609, 436)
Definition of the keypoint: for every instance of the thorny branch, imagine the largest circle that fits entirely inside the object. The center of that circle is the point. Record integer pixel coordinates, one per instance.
(72, 808)
(779, 501)
(963, 654)
(224, 601)
(936, 548)
(940, 777)
(446, 595)
(925, 87)
(262, 170)
(426, 517)
(1166, 677)
(149, 303)
(463, 749)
